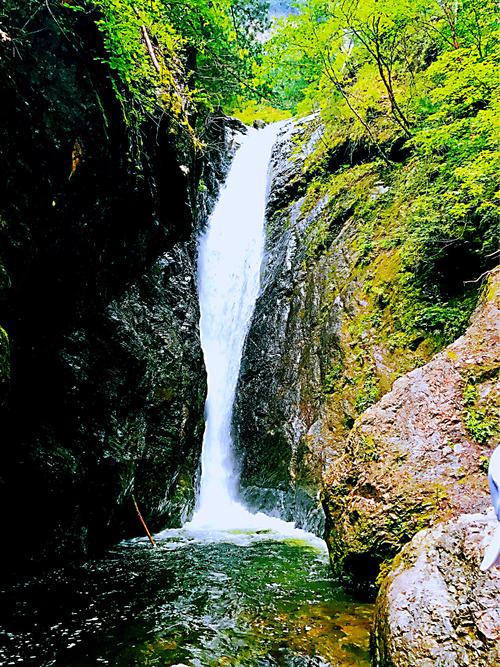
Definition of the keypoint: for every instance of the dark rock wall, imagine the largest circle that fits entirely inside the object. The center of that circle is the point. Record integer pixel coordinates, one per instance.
(277, 401)
(105, 391)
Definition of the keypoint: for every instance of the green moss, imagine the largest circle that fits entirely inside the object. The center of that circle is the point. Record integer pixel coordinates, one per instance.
(339, 197)
(332, 377)
(481, 421)
(471, 394)
(385, 567)
(367, 450)
(368, 394)
(407, 309)
(4, 358)
(165, 394)
(390, 315)
(484, 464)
(402, 525)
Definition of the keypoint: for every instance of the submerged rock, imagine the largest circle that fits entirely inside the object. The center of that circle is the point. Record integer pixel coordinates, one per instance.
(436, 607)
(418, 455)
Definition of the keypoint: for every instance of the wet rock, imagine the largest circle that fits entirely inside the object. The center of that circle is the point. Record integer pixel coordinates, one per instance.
(222, 136)
(276, 406)
(417, 456)
(233, 124)
(98, 295)
(436, 607)
(305, 367)
(143, 372)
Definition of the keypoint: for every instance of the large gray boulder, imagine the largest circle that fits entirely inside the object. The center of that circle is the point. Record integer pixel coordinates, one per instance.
(418, 455)
(435, 607)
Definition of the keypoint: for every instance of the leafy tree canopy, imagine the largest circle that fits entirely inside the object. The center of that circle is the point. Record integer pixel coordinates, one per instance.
(179, 55)
(412, 86)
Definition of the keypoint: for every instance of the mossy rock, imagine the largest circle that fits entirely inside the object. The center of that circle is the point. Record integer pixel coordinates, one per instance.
(435, 606)
(4, 363)
(414, 457)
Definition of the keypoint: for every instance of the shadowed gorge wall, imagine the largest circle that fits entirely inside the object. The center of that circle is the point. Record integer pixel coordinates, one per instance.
(106, 386)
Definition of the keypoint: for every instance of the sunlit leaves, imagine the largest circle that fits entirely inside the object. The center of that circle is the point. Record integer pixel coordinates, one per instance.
(178, 55)
(416, 82)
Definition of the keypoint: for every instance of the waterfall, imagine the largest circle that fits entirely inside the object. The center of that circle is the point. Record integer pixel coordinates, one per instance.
(230, 258)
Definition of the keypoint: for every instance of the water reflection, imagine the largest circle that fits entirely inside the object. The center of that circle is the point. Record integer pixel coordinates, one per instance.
(246, 599)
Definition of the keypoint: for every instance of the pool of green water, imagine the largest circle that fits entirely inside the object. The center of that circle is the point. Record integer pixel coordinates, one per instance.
(240, 600)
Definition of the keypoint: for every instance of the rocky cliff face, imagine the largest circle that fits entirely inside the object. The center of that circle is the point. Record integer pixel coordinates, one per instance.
(320, 349)
(312, 360)
(336, 325)
(277, 402)
(436, 607)
(104, 385)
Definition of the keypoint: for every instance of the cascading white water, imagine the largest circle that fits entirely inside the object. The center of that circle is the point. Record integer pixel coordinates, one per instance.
(230, 258)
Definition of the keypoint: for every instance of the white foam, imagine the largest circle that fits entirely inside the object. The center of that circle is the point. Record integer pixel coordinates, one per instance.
(231, 251)
(230, 257)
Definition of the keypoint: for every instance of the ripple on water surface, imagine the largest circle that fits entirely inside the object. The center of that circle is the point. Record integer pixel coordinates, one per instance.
(199, 599)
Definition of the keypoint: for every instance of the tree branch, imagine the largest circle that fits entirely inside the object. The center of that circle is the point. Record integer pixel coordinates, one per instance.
(143, 522)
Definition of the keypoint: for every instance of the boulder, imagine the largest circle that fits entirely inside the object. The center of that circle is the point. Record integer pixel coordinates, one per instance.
(435, 607)
(419, 454)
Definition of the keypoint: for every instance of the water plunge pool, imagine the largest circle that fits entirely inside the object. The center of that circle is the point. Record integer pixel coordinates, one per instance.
(196, 600)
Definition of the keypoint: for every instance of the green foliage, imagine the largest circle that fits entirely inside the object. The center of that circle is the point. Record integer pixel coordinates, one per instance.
(480, 421)
(367, 449)
(291, 62)
(249, 111)
(228, 52)
(178, 57)
(332, 377)
(441, 210)
(366, 58)
(368, 394)
(471, 394)
(457, 149)
(145, 78)
(479, 426)
(423, 311)
(484, 464)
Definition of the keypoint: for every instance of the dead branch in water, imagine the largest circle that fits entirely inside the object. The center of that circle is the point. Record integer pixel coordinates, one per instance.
(143, 522)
